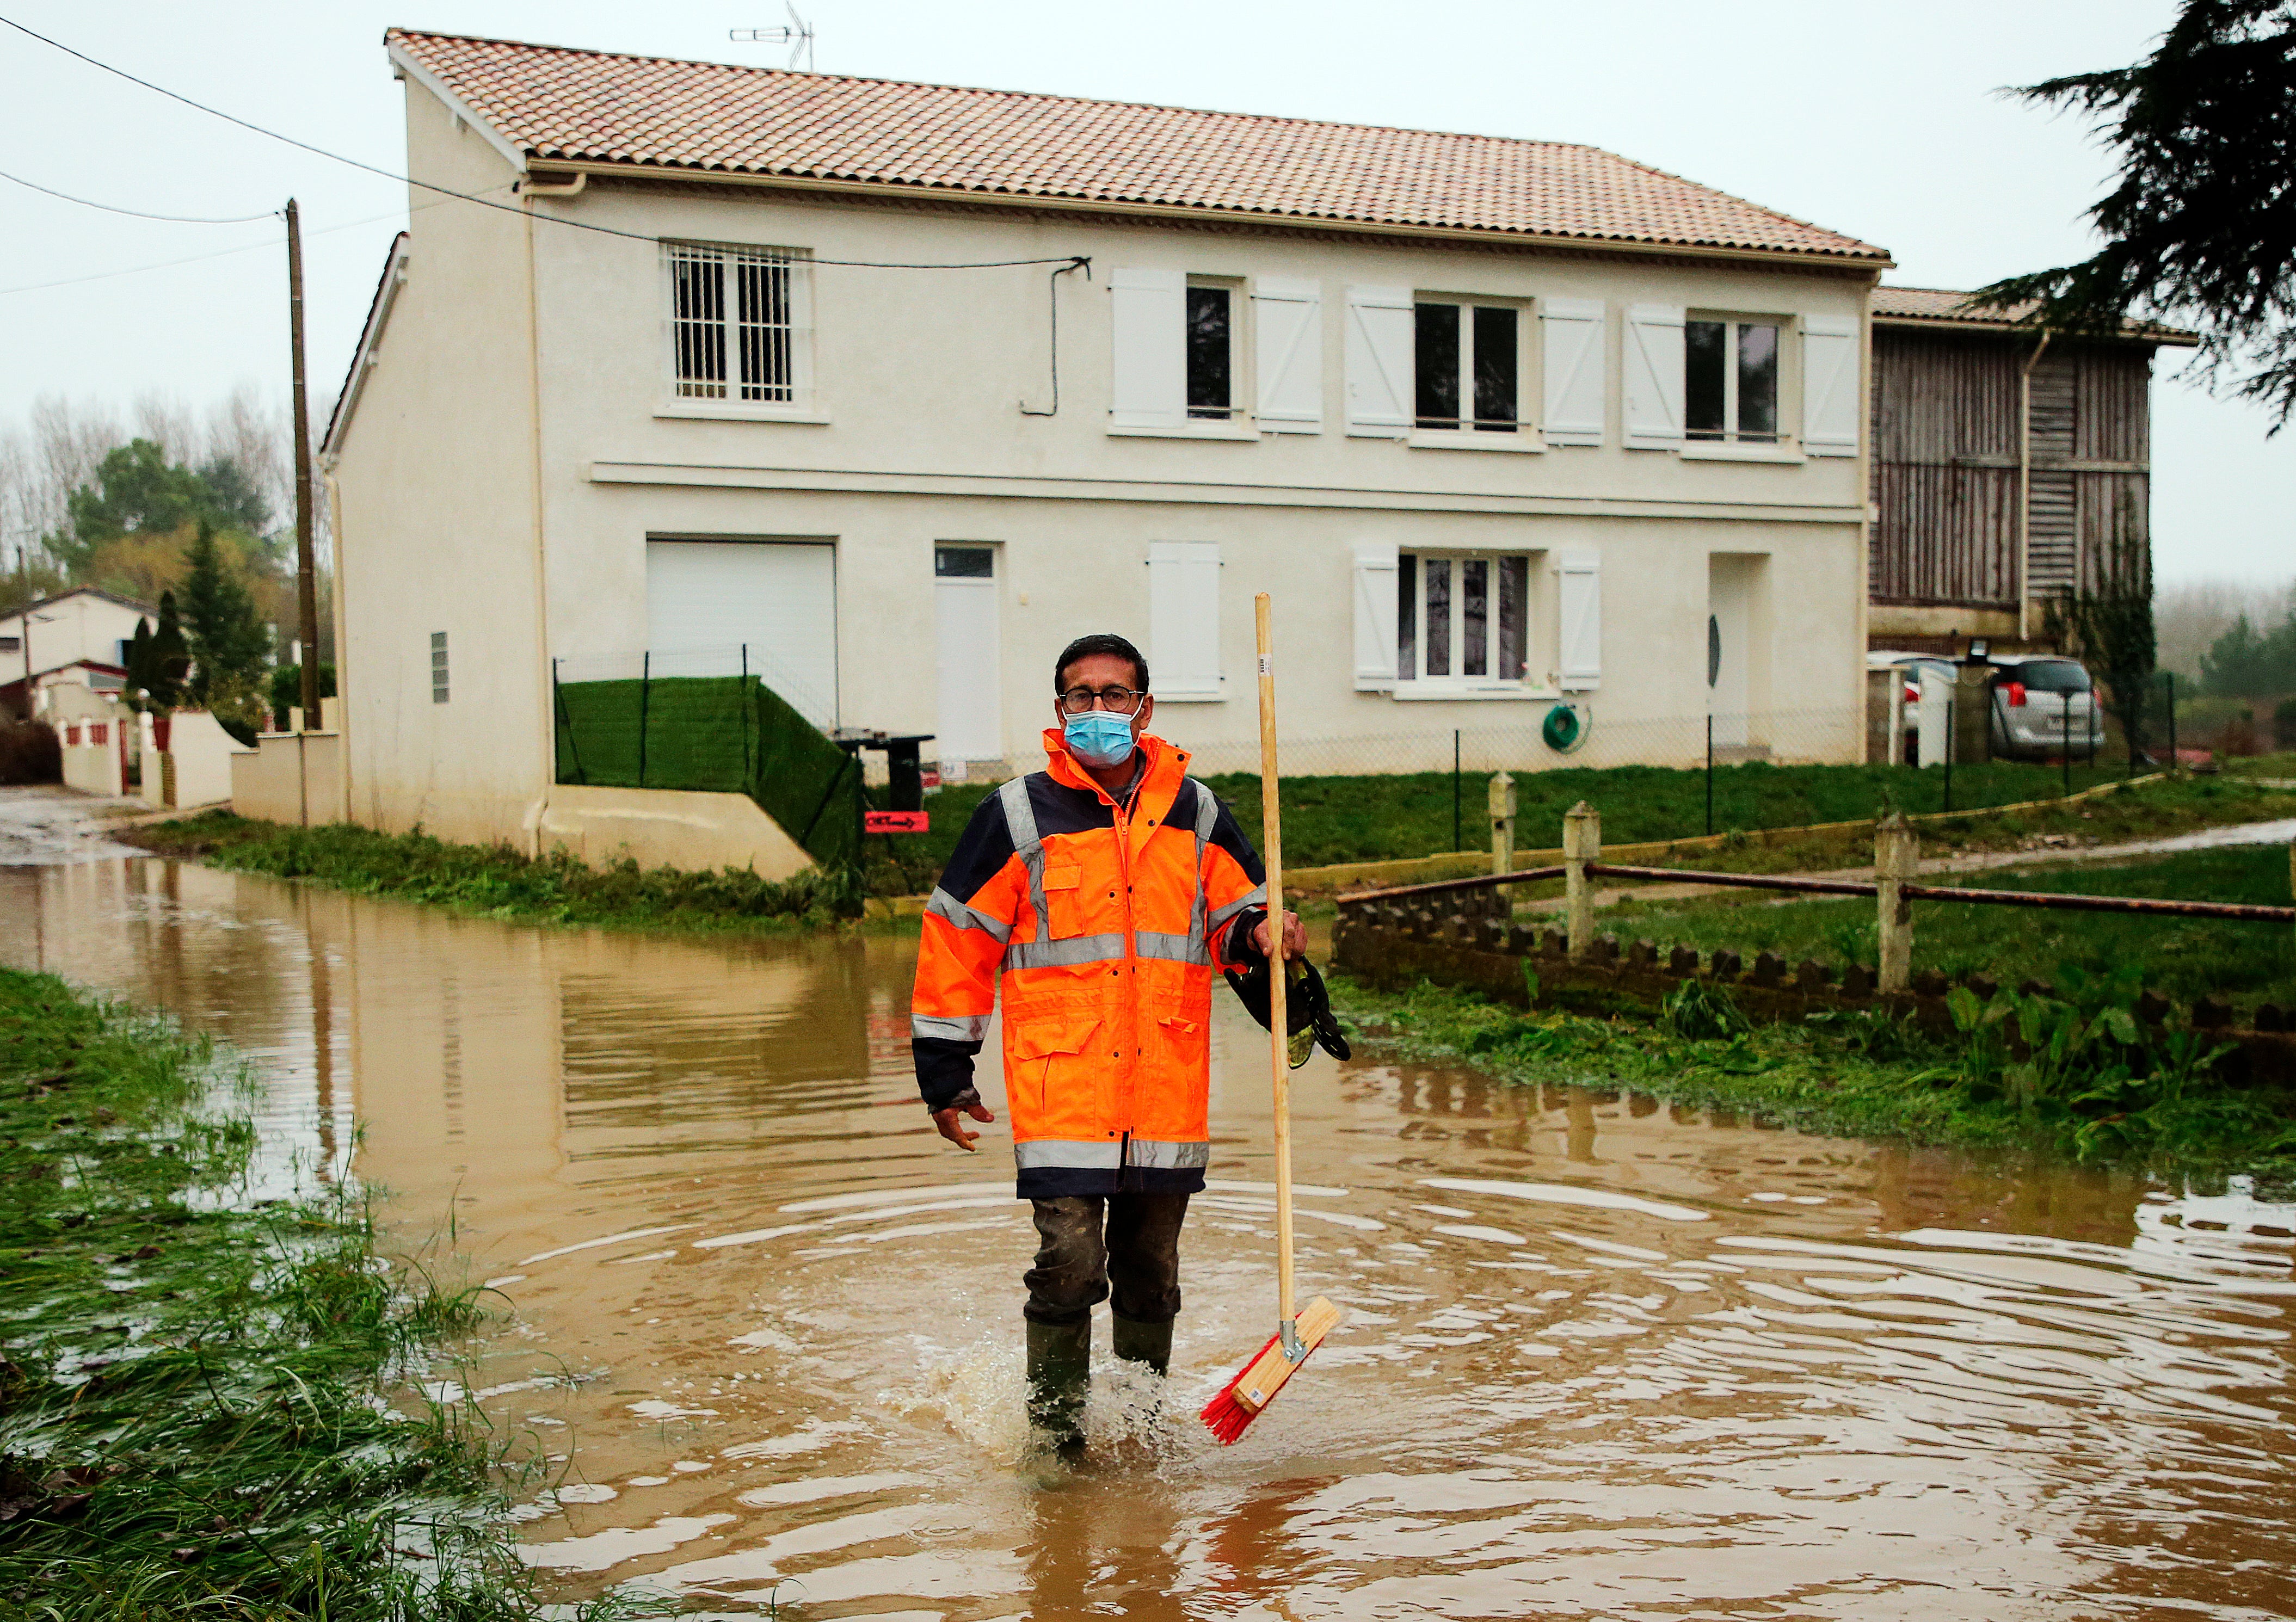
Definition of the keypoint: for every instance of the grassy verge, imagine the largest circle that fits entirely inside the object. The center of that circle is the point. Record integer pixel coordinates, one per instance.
(196, 1413)
(1869, 1076)
(498, 883)
(2181, 958)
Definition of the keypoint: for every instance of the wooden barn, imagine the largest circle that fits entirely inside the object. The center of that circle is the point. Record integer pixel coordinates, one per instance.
(2007, 465)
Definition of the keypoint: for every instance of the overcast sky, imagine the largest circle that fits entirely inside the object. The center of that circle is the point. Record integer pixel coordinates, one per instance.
(1881, 121)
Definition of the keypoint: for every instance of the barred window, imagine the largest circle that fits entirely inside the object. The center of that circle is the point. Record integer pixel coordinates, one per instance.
(734, 328)
(438, 667)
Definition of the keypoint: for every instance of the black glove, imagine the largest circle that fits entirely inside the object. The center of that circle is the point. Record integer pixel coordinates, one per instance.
(1307, 1006)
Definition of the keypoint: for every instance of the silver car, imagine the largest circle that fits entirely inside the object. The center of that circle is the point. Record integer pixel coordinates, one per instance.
(2043, 707)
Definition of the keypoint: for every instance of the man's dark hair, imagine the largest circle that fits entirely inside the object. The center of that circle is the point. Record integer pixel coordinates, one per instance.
(1100, 641)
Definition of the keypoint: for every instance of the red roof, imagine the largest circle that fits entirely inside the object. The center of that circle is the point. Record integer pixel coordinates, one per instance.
(569, 106)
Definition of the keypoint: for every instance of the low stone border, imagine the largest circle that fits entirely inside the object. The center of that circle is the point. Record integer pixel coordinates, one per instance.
(1398, 946)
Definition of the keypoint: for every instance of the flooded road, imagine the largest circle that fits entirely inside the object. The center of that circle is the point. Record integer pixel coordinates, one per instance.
(1607, 1358)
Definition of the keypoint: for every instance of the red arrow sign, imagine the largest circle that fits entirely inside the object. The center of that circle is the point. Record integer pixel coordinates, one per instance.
(896, 821)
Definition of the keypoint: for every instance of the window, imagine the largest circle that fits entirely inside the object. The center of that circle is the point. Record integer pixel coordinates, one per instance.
(735, 328)
(1730, 380)
(438, 667)
(964, 563)
(1462, 616)
(1466, 354)
(15, 644)
(1212, 352)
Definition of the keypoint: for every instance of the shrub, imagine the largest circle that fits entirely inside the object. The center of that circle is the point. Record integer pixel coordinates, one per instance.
(28, 751)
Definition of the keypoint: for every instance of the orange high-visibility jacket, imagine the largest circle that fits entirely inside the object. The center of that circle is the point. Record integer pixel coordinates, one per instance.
(1105, 922)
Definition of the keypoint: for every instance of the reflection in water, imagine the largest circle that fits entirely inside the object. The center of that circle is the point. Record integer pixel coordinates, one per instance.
(1606, 1358)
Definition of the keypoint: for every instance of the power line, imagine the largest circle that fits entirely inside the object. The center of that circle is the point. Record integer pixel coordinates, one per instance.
(171, 219)
(636, 236)
(220, 253)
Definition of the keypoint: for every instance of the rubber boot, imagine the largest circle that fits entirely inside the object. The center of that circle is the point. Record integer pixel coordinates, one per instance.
(1060, 1374)
(1148, 1343)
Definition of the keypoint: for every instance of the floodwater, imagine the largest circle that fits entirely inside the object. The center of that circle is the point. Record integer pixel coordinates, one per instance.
(1606, 1358)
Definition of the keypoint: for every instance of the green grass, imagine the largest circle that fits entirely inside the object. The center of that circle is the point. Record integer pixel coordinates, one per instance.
(2183, 958)
(1871, 1077)
(202, 1409)
(497, 882)
(1331, 820)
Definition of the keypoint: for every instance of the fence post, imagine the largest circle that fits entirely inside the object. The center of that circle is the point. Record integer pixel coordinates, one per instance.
(1710, 773)
(1948, 754)
(1458, 838)
(746, 708)
(1896, 852)
(1502, 824)
(2169, 676)
(2065, 728)
(646, 697)
(1582, 842)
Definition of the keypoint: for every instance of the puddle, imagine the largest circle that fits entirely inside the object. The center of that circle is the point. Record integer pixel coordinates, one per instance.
(1607, 1357)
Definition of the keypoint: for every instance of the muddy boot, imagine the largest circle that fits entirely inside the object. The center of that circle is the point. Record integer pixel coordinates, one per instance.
(1060, 1373)
(1148, 1343)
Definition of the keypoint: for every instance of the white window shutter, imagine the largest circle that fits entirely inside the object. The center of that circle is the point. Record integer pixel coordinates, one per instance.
(1379, 348)
(1375, 628)
(1148, 317)
(1580, 669)
(1287, 323)
(1576, 362)
(1184, 643)
(1653, 380)
(1829, 385)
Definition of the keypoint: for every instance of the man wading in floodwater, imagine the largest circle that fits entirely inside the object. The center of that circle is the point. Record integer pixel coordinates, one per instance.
(1104, 889)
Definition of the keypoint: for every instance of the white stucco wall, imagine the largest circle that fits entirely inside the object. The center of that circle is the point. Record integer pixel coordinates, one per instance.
(435, 490)
(78, 626)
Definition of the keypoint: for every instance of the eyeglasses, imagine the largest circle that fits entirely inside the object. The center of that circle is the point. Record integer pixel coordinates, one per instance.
(1122, 701)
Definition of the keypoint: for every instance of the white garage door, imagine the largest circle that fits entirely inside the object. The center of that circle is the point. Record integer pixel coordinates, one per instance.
(713, 605)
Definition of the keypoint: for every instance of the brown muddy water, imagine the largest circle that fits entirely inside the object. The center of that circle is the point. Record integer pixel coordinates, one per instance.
(1607, 1358)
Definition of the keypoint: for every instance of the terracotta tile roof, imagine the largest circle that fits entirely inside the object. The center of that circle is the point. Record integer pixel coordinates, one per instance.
(1944, 307)
(649, 112)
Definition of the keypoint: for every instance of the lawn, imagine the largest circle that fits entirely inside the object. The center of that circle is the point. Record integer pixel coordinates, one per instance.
(2183, 958)
(1330, 819)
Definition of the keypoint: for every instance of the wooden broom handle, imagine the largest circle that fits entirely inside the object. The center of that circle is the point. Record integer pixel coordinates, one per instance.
(1271, 849)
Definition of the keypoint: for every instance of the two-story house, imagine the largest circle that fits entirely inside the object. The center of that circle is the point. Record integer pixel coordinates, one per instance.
(887, 390)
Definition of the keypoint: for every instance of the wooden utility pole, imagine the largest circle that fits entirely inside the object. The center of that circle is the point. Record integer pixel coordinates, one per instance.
(306, 583)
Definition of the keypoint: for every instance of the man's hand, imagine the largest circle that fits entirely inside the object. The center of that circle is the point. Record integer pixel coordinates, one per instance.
(1295, 937)
(950, 1122)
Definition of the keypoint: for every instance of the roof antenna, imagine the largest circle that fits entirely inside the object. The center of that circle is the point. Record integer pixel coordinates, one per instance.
(798, 37)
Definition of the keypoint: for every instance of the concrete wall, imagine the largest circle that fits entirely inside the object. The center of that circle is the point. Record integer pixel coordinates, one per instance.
(289, 777)
(201, 751)
(96, 763)
(661, 828)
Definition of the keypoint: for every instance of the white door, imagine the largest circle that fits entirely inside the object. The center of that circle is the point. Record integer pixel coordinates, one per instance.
(716, 608)
(1729, 629)
(964, 627)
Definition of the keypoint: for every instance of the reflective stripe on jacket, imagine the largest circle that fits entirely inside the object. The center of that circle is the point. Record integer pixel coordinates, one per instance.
(1104, 922)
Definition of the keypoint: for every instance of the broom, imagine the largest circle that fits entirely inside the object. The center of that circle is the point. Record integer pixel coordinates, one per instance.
(1297, 1333)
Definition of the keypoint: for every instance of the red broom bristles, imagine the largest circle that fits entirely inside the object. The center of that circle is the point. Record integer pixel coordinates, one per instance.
(1224, 1416)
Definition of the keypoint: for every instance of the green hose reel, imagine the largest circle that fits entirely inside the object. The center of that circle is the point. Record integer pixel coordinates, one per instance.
(1565, 729)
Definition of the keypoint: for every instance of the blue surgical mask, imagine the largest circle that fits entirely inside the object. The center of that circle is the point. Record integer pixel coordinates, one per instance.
(1100, 738)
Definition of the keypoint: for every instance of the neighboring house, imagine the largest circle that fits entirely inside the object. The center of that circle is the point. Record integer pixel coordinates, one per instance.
(2008, 466)
(79, 636)
(1502, 425)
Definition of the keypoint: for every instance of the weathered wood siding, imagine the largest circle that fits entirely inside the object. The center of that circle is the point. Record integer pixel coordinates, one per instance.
(1946, 465)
